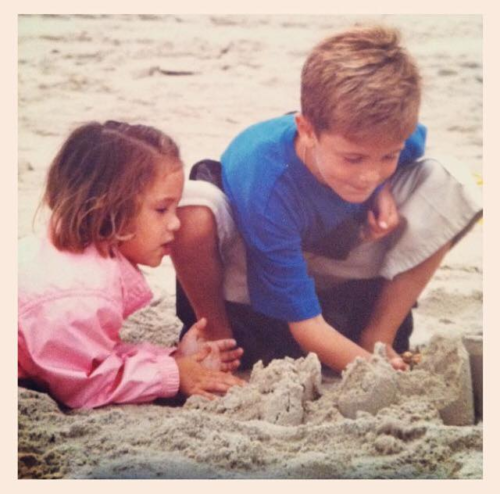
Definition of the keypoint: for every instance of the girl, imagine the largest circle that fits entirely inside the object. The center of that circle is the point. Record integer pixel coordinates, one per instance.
(113, 190)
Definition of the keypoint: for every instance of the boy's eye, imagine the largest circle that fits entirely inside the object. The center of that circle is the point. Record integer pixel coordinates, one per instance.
(353, 160)
(391, 157)
(161, 210)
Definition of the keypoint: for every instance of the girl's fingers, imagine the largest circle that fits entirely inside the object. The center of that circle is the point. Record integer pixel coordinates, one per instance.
(231, 355)
(200, 324)
(219, 384)
(203, 353)
(214, 385)
(230, 366)
(205, 394)
(226, 344)
(224, 379)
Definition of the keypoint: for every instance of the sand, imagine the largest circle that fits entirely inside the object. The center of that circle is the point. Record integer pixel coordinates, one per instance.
(204, 78)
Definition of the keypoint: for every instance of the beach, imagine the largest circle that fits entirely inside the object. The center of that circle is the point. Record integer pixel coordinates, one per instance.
(202, 79)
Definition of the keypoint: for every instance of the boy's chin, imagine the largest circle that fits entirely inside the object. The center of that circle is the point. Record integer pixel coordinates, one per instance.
(355, 198)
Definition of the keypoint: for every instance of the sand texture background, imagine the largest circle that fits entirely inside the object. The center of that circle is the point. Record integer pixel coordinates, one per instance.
(202, 79)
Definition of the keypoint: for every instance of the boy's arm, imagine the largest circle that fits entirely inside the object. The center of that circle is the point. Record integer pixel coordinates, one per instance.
(333, 348)
(198, 266)
(383, 217)
(396, 299)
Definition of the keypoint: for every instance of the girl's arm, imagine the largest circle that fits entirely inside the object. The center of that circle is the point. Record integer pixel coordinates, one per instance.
(73, 346)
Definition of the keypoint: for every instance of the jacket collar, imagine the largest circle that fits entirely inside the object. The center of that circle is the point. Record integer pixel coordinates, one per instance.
(135, 290)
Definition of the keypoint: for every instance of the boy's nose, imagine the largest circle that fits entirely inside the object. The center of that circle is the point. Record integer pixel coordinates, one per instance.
(370, 177)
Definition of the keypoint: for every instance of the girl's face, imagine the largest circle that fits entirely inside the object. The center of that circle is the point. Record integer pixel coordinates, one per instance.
(155, 225)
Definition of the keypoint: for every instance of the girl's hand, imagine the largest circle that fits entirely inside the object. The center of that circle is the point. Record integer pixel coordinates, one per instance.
(383, 218)
(223, 355)
(195, 379)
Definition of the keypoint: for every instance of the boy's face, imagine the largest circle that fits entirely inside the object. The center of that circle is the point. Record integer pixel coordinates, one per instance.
(351, 167)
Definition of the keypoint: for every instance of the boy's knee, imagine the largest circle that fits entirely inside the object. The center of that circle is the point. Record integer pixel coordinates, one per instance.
(197, 223)
(425, 177)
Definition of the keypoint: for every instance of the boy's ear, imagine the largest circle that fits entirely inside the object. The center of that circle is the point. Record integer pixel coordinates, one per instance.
(305, 130)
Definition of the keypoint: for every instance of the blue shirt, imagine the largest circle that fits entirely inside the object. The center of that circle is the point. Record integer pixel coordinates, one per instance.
(280, 209)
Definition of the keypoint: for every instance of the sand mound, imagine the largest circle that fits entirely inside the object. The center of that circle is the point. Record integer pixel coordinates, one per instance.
(276, 394)
(286, 423)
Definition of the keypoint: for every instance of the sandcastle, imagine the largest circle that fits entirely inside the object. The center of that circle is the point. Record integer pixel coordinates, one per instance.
(290, 392)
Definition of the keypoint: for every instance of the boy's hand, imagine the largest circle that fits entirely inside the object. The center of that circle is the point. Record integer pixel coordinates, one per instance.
(383, 218)
(398, 364)
(222, 355)
(368, 341)
(195, 379)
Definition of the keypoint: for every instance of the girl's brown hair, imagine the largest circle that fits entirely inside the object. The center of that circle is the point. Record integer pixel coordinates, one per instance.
(95, 182)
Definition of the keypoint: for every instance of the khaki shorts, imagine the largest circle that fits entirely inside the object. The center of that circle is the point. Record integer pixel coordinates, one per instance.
(437, 203)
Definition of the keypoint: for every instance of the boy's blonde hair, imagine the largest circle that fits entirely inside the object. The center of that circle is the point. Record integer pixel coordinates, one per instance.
(361, 81)
(95, 183)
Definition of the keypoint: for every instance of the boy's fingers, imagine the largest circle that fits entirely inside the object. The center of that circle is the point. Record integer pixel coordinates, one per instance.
(373, 229)
(391, 219)
(399, 364)
(372, 221)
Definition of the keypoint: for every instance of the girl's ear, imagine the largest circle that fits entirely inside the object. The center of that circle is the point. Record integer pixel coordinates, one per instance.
(305, 130)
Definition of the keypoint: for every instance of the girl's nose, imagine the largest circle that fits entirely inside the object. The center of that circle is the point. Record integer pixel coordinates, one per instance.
(174, 224)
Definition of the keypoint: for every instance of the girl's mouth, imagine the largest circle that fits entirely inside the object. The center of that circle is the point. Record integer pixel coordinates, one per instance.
(167, 248)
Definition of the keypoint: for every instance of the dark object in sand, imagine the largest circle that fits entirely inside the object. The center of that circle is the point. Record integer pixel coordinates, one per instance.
(159, 70)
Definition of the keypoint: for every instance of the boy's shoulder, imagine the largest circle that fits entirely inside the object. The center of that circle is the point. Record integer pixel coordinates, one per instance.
(254, 162)
(272, 135)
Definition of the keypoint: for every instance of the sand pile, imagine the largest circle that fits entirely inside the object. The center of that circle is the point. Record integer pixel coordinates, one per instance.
(276, 394)
(282, 392)
(285, 423)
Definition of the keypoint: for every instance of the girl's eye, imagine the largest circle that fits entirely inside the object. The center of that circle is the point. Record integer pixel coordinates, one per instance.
(161, 210)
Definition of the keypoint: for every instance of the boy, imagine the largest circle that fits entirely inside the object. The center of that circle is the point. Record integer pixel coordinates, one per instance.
(342, 226)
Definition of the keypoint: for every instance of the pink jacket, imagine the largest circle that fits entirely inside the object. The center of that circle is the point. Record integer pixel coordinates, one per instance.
(71, 310)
